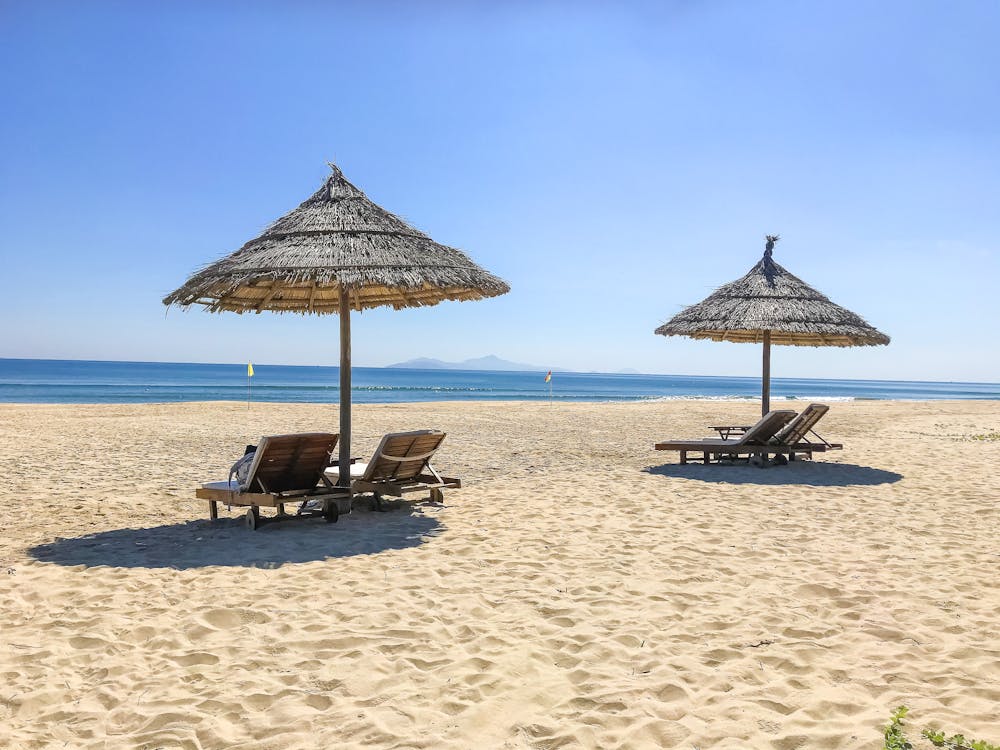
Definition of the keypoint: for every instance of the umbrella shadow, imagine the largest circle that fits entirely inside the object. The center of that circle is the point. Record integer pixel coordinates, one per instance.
(815, 473)
(228, 543)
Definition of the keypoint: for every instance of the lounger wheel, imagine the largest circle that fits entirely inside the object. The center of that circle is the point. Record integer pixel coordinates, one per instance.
(437, 496)
(252, 519)
(331, 513)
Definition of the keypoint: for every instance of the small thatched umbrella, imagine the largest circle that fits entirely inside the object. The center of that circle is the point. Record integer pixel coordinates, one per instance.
(771, 306)
(335, 253)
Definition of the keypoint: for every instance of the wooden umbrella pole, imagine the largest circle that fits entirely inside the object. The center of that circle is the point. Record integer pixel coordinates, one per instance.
(765, 381)
(344, 463)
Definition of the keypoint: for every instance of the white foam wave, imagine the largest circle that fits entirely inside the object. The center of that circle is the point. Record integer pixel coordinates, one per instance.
(749, 398)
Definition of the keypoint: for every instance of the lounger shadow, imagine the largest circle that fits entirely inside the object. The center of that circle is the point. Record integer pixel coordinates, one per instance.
(814, 473)
(199, 544)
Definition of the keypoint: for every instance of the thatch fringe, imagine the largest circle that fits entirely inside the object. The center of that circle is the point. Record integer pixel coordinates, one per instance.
(338, 238)
(770, 299)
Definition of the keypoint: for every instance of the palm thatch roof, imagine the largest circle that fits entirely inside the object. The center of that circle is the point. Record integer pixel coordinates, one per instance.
(337, 239)
(770, 299)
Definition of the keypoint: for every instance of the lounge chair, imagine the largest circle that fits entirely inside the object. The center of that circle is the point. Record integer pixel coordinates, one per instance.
(401, 464)
(793, 435)
(754, 442)
(285, 469)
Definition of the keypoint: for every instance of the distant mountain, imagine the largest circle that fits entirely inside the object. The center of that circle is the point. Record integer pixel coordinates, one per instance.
(489, 362)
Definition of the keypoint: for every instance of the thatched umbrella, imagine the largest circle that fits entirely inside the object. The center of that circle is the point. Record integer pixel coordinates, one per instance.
(335, 253)
(771, 306)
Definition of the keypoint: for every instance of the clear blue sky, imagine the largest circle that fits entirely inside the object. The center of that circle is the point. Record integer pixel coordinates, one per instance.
(612, 163)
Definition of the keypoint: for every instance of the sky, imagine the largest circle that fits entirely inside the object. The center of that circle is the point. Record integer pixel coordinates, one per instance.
(612, 162)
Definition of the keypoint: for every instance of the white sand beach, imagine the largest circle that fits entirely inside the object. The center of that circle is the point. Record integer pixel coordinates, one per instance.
(581, 590)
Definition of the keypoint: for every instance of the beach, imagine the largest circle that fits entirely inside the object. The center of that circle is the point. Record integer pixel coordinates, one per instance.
(580, 590)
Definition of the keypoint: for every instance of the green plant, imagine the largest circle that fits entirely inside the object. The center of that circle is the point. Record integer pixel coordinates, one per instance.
(894, 737)
(956, 741)
(987, 437)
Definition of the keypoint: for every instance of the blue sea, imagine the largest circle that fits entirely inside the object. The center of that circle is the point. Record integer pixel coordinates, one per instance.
(78, 382)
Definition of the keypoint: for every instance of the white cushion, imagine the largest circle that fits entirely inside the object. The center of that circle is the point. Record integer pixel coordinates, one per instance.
(235, 486)
(357, 470)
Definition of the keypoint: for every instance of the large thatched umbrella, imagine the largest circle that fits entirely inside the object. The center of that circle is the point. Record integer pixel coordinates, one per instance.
(335, 253)
(771, 306)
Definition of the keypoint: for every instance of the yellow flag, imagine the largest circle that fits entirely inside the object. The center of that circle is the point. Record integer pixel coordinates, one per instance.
(249, 369)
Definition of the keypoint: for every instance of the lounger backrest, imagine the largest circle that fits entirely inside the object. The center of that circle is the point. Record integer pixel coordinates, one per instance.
(767, 427)
(290, 462)
(796, 430)
(403, 455)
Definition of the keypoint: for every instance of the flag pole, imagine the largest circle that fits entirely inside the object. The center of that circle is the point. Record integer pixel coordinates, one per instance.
(249, 376)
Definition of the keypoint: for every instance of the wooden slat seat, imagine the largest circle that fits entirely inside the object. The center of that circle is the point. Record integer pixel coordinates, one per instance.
(793, 435)
(754, 441)
(401, 464)
(789, 439)
(285, 469)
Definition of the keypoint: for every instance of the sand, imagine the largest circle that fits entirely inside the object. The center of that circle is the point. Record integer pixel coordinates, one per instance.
(581, 591)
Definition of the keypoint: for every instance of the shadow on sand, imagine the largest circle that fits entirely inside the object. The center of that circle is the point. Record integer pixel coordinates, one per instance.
(196, 544)
(816, 473)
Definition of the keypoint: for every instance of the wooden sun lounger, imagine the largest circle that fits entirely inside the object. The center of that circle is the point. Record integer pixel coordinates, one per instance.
(795, 433)
(754, 442)
(792, 437)
(285, 469)
(401, 465)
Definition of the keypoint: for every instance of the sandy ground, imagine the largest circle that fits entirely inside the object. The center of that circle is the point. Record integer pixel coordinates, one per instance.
(582, 590)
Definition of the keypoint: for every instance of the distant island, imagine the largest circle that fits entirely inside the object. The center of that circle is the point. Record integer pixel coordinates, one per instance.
(489, 362)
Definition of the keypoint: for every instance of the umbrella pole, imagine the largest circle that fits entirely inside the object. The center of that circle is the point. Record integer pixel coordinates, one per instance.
(765, 381)
(344, 463)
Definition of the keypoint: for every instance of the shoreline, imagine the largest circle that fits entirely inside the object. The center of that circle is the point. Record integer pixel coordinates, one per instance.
(837, 400)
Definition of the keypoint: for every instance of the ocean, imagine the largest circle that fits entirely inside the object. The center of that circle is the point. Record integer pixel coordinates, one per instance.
(79, 382)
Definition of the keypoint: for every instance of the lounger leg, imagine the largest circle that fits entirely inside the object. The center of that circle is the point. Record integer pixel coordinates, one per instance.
(684, 457)
(281, 509)
(705, 458)
(213, 510)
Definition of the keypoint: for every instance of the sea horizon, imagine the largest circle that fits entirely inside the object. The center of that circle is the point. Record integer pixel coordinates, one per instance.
(78, 381)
